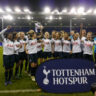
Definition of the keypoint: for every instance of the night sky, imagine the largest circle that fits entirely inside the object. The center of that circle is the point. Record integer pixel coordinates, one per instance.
(38, 5)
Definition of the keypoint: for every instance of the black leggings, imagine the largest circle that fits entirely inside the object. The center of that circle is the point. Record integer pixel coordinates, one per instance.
(76, 55)
(88, 57)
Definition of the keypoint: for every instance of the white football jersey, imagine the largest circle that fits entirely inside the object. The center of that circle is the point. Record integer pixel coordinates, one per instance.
(52, 40)
(8, 47)
(88, 45)
(3, 31)
(32, 46)
(39, 47)
(47, 45)
(66, 46)
(58, 45)
(82, 39)
(76, 46)
(22, 42)
(16, 48)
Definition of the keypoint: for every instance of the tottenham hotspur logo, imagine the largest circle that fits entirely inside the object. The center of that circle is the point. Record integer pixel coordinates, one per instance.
(45, 80)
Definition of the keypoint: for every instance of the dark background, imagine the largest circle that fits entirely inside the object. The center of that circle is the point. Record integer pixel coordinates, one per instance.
(38, 5)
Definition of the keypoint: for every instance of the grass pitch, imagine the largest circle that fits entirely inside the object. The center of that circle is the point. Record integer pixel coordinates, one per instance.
(25, 83)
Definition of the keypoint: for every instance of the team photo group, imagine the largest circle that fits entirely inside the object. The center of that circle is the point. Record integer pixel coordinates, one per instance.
(28, 50)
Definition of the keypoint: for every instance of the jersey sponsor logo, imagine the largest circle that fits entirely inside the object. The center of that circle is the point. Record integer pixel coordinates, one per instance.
(17, 45)
(33, 43)
(39, 46)
(75, 43)
(22, 43)
(58, 44)
(66, 43)
(86, 44)
(46, 42)
(10, 45)
(66, 75)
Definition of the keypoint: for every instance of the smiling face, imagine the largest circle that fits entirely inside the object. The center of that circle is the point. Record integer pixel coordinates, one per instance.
(89, 36)
(53, 34)
(84, 32)
(57, 35)
(75, 37)
(62, 34)
(22, 35)
(10, 36)
(66, 36)
(46, 35)
(15, 36)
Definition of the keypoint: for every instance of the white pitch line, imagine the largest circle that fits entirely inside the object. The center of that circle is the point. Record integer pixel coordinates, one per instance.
(20, 91)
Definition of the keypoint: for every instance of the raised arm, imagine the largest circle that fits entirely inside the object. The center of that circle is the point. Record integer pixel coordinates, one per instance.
(3, 31)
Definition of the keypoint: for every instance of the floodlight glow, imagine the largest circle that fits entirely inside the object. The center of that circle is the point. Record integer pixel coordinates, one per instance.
(51, 17)
(19, 17)
(5, 17)
(56, 11)
(8, 17)
(8, 9)
(60, 18)
(74, 18)
(95, 11)
(47, 10)
(46, 18)
(1, 10)
(64, 11)
(83, 18)
(26, 10)
(28, 17)
(81, 10)
(17, 9)
(73, 11)
(89, 11)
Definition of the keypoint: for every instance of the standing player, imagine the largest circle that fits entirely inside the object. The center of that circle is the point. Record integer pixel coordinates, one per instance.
(8, 55)
(76, 47)
(88, 46)
(39, 50)
(26, 55)
(66, 46)
(17, 46)
(32, 51)
(58, 46)
(83, 38)
(53, 38)
(22, 51)
(47, 46)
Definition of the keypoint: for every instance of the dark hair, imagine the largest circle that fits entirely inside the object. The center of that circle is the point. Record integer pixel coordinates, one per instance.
(6, 34)
(14, 34)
